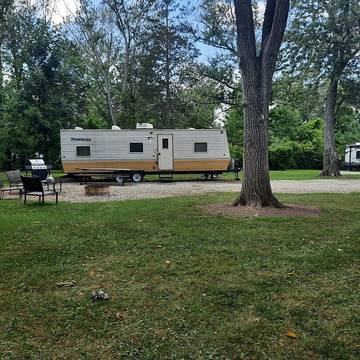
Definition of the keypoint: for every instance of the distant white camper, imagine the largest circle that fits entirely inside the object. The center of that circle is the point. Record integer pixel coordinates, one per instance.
(352, 156)
(144, 151)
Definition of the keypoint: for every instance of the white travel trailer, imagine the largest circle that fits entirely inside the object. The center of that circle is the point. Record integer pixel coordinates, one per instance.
(144, 151)
(352, 156)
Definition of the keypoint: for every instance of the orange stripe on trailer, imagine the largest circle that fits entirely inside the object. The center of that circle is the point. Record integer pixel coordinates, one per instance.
(139, 165)
(201, 165)
(145, 165)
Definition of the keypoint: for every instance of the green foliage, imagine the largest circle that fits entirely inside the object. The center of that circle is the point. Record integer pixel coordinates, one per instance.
(236, 152)
(347, 127)
(58, 77)
(323, 39)
(234, 126)
(301, 150)
(283, 121)
(294, 143)
(283, 155)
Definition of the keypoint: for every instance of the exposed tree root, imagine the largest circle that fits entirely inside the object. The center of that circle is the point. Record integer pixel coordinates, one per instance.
(331, 166)
(257, 201)
(329, 172)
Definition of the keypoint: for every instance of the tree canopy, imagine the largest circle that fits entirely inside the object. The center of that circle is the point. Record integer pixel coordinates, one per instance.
(173, 64)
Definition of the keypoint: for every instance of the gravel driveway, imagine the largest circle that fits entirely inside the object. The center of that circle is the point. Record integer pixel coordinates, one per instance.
(74, 192)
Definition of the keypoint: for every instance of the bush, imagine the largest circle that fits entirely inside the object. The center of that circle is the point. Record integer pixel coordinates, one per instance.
(283, 155)
(294, 155)
(236, 152)
(303, 150)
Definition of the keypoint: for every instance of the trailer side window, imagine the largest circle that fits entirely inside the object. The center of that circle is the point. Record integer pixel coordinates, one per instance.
(83, 151)
(200, 147)
(358, 154)
(136, 147)
(165, 143)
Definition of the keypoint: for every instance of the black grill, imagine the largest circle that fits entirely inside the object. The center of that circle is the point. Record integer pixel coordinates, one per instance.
(38, 168)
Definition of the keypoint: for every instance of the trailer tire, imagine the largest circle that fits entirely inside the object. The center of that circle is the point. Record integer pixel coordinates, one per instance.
(120, 179)
(137, 177)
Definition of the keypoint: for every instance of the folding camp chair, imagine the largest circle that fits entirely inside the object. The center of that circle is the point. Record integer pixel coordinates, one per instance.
(15, 183)
(34, 187)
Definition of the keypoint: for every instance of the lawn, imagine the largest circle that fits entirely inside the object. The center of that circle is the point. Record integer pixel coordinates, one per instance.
(182, 285)
(55, 173)
(274, 175)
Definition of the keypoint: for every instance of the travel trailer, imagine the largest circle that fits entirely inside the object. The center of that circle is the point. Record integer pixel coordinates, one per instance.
(143, 150)
(352, 156)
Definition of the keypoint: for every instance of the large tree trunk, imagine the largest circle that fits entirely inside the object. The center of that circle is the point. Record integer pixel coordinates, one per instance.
(1, 81)
(126, 67)
(167, 119)
(257, 68)
(331, 160)
(125, 77)
(46, 147)
(256, 189)
(109, 99)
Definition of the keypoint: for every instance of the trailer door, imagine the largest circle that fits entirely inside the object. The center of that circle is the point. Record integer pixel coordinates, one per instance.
(165, 152)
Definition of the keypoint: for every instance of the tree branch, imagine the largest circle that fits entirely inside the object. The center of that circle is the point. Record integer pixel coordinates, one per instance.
(272, 45)
(245, 34)
(268, 22)
(215, 78)
(221, 43)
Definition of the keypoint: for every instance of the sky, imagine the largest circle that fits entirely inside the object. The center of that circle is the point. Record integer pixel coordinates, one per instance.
(65, 8)
(61, 9)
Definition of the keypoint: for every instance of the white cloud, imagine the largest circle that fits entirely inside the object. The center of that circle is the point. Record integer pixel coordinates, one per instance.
(259, 11)
(63, 9)
(55, 10)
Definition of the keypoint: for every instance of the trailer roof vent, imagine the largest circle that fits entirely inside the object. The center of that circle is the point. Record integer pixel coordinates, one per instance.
(144, 126)
(115, 127)
(78, 128)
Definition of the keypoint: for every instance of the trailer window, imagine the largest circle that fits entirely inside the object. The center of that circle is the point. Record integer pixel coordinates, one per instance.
(358, 154)
(165, 143)
(83, 151)
(136, 147)
(200, 147)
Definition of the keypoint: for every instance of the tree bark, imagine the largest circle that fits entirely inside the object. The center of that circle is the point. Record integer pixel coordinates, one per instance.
(1, 81)
(167, 120)
(257, 72)
(331, 160)
(256, 189)
(126, 67)
(46, 147)
(109, 99)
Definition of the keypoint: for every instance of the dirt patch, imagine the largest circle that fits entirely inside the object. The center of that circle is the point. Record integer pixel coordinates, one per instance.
(246, 211)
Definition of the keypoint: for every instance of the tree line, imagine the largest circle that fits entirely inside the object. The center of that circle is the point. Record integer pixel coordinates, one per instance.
(176, 64)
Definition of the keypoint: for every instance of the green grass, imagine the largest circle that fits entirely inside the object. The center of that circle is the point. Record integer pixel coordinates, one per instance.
(296, 175)
(274, 175)
(182, 285)
(306, 175)
(55, 174)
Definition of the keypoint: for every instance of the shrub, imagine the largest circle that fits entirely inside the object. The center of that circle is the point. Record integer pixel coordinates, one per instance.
(283, 155)
(236, 152)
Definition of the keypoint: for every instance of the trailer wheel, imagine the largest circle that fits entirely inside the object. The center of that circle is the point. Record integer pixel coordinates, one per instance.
(136, 177)
(120, 179)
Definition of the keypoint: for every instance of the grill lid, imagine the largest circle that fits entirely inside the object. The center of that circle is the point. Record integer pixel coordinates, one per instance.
(37, 164)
